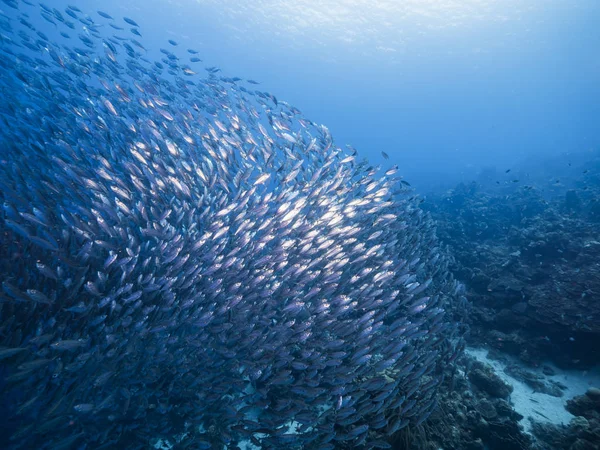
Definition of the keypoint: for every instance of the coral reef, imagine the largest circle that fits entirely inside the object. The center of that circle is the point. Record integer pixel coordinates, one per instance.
(529, 258)
(582, 433)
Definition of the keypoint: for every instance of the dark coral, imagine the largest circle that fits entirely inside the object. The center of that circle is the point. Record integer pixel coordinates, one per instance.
(473, 418)
(528, 256)
(484, 378)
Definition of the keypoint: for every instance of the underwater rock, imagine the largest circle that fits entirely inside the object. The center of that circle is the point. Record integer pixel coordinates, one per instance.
(582, 444)
(511, 343)
(583, 432)
(504, 409)
(547, 370)
(486, 409)
(552, 436)
(469, 418)
(593, 393)
(485, 379)
(535, 381)
(579, 434)
(587, 405)
(507, 435)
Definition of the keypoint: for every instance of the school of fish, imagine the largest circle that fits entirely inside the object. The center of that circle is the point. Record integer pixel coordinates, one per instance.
(189, 258)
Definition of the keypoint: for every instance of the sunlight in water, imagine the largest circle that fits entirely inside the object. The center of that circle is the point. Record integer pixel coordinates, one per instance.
(386, 25)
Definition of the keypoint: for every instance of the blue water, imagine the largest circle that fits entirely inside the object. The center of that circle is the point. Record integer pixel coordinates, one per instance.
(445, 87)
(448, 89)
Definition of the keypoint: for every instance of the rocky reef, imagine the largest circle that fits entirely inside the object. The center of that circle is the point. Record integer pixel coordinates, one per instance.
(529, 257)
(582, 433)
(478, 412)
(526, 245)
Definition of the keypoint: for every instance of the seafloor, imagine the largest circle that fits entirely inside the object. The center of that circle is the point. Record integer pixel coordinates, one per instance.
(527, 247)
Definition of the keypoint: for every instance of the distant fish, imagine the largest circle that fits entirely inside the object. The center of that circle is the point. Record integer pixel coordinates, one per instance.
(105, 15)
(130, 21)
(252, 82)
(172, 42)
(385, 155)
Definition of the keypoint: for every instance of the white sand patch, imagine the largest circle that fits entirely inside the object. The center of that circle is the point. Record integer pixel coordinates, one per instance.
(536, 405)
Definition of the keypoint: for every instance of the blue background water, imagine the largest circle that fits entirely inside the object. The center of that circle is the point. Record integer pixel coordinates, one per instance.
(444, 87)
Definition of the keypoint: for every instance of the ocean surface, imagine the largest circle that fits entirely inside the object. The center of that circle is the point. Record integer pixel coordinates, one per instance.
(300, 225)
